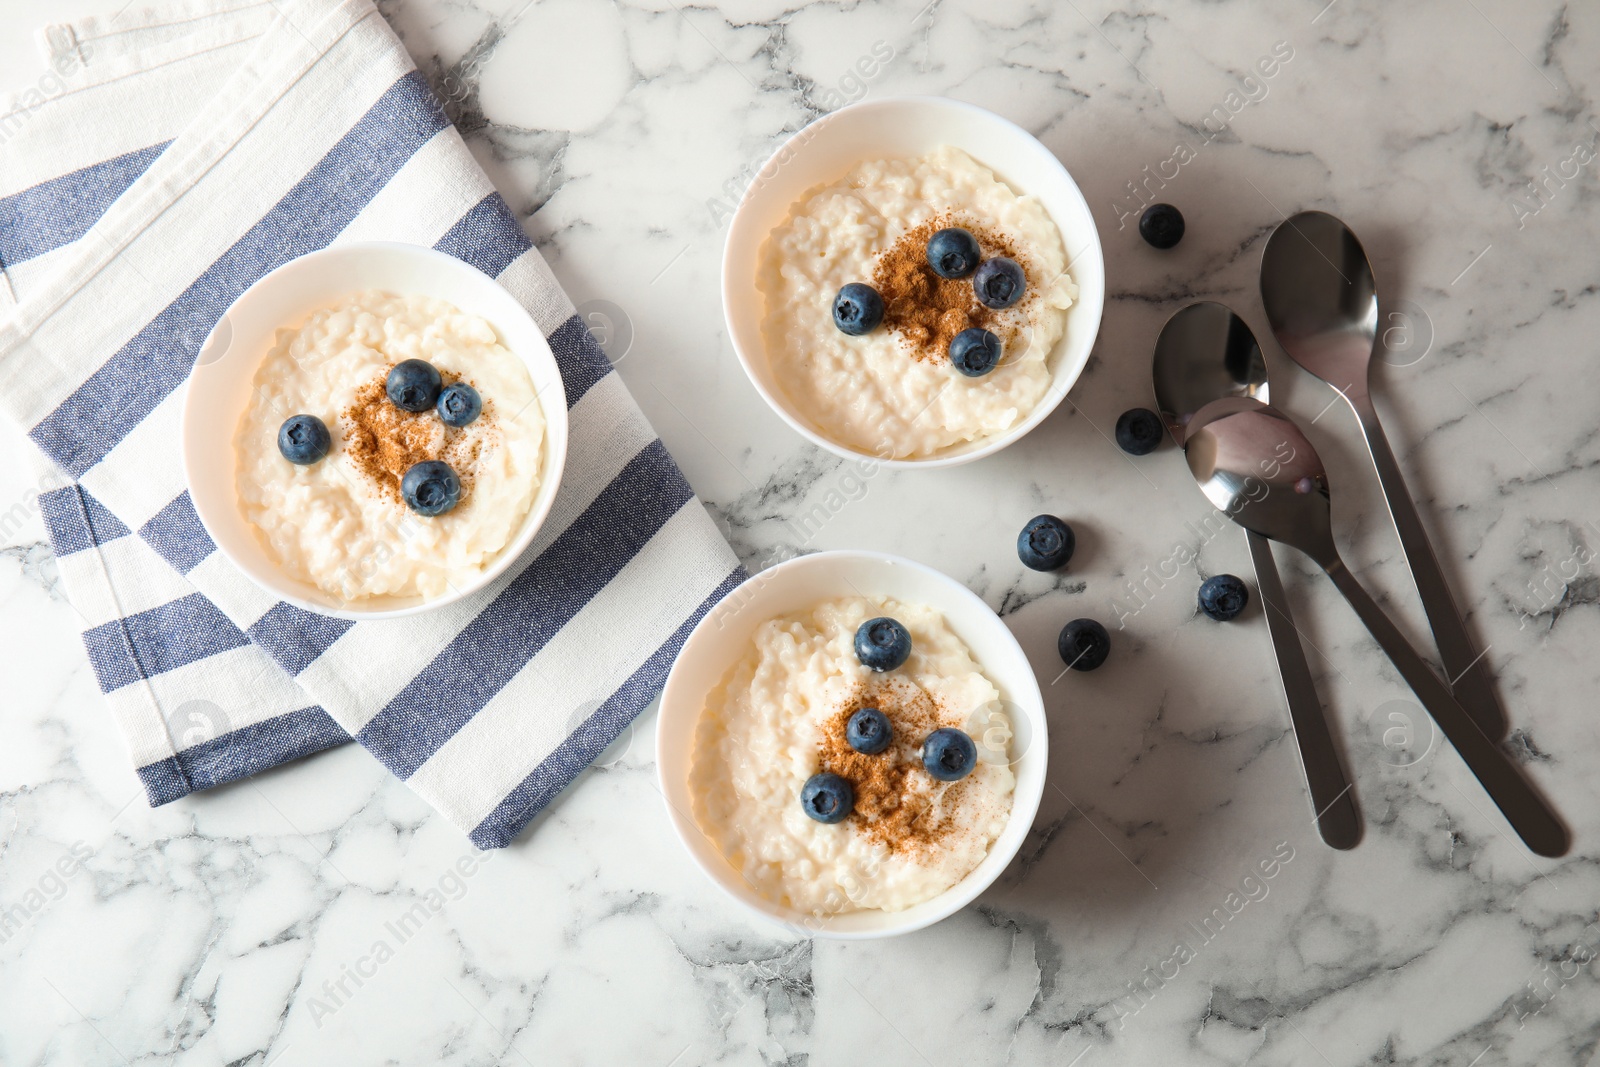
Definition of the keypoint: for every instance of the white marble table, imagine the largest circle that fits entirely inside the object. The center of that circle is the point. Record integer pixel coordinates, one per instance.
(246, 926)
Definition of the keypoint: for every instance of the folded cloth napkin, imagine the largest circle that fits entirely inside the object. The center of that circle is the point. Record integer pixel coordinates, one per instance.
(166, 161)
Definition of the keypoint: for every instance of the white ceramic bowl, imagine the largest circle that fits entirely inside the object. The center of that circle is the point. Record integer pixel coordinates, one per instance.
(723, 638)
(900, 127)
(220, 384)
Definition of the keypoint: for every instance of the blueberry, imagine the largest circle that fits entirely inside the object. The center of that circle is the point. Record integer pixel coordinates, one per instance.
(999, 283)
(827, 797)
(857, 309)
(303, 439)
(1046, 543)
(431, 487)
(949, 755)
(1139, 431)
(882, 644)
(1222, 597)
(868, 731)
(413, 385)
(1084, 644)
(1161, 225)
(459, 405)
(953, 253)
(974, 352)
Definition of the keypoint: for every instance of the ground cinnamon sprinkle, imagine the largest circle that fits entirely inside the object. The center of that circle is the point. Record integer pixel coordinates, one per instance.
(384, 441)
(925, 309)
(894, 804)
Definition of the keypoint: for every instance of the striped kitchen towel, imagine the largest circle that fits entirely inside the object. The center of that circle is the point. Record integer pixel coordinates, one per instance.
(165, 161)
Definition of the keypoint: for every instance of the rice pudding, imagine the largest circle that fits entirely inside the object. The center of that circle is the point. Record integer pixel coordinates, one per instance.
(892, 392)
(341, 523)
(779, 718)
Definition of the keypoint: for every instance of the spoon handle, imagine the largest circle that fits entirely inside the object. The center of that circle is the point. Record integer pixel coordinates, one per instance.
(1473, 687)
(1529, 814)
(1332, 800)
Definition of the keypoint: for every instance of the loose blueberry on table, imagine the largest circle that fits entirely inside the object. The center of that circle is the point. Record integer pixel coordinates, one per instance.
(953, 253)
(868, 731)
(1083, 644)
(975, 352)
(1223, 596)
(949, 755)
(999, 283)
(430, 487)
(1161, 225)
(1046, 543)
(413, 385)
(459, 405)
(827, 798)
(882, 644)
(857, 309)
(303, 439)
(1139, 431)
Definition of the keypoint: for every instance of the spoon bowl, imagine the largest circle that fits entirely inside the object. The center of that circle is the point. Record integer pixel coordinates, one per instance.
(1205, 352)
(1256, 467)
(1321, 298)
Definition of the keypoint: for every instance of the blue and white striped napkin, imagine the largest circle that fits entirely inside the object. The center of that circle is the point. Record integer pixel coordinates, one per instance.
(166, 161)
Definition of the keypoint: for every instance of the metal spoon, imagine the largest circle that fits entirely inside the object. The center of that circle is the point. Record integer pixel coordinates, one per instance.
(1322, 301)
(1258, 468)
(1206, 352)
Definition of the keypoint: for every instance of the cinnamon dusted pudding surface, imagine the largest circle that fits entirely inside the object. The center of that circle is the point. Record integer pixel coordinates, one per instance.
(385, 441)
(891, 392)
(340, 523)
(780, 717)
(925, 311)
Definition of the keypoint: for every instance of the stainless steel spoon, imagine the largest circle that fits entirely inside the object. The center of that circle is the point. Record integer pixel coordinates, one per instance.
(1322, 302)
(1258, 468)
(1206, 352)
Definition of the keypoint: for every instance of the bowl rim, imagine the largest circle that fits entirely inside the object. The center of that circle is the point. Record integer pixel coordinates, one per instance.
(1023, 692)
(1056, 393)
(555, 431)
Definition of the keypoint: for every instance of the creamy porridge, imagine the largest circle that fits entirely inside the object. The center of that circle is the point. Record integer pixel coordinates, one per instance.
(893, 392)
(342, 522)
(780, 718)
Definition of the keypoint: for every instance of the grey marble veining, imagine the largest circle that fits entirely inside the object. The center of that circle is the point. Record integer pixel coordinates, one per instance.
(321, 914)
